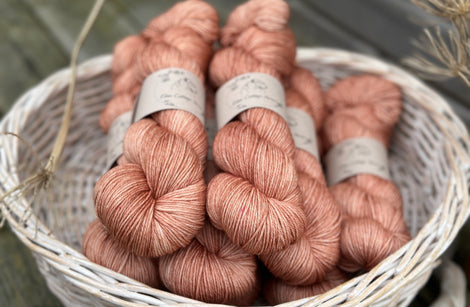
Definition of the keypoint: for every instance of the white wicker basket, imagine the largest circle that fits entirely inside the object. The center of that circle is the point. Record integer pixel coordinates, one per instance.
(428, 159)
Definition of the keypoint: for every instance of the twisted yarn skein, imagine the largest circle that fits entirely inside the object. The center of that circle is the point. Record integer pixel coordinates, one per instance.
(277, 291)
(256, 200)
(179, 19)
(125, 85)
(373, 226)
(155, 203)
(97, 244)
(100, 248)
(307, 260)
(211, 268)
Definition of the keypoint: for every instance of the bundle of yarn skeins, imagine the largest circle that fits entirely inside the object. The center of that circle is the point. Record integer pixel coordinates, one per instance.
(248, 214)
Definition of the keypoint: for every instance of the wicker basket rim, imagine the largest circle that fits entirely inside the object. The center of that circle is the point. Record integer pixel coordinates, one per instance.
(65, 258)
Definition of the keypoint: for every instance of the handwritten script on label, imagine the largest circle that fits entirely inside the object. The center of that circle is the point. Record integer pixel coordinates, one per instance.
(171, 88)
(252, 90)
(356, 156)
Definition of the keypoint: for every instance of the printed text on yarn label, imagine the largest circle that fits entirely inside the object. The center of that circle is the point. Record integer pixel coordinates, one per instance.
(116, 137)
(171, 88)
(302, 128)
(356, 156)
(252, 90)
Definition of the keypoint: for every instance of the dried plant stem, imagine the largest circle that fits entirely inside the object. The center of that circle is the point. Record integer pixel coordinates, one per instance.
(51, 166)
(444, 56)
(448, 9)
(41, 179)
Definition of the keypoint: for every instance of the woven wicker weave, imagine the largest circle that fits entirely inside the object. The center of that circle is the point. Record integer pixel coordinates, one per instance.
(428, 160)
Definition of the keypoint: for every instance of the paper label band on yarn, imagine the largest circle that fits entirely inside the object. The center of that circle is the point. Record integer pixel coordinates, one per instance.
(115, 138)
(211, 131)
(303, 131)
(171, 88)
(251, 90)
(356, 156)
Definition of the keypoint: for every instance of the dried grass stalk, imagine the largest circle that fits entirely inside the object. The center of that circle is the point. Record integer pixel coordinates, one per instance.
(41, 178)
(444, 54)
(447, 9)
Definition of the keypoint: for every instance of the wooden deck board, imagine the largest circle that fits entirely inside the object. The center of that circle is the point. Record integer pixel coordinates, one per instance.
(23, 30)
(393, 30)
(29, 53)
(64, 19)
(21, 283)
(313, 29)
(24, 78)
(145, 10)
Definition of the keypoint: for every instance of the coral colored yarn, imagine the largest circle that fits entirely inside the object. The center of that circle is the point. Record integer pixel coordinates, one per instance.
(256, 200)
(124, 54)
(155, 202)
(100, 248)
(212, 269)
(176, 28)
(125, 86)
(97, 244)
(309, 259)
(277, 291)
(373, 226)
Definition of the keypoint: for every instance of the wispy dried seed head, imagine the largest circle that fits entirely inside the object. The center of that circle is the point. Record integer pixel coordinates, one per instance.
(444, 54)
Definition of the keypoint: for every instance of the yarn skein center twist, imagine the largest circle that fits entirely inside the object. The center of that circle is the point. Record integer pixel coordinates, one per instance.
(308, 260)
(373, 226)
(256, 199)
(155, 203)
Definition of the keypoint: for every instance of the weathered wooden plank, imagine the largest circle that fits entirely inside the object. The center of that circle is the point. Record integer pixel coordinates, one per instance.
(28, 53)
(389, 26)
(310, 27)
(144, 10)
(64, 19)
(313, 29)
(21, 283)
(390, 31)
(29, 39)
(12, 87)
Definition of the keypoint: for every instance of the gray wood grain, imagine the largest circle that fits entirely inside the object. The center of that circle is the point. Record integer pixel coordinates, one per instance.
(389, 26)
(312, 28)
(144, 10)
(21, 283)
(28, 53)
(64, 19)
